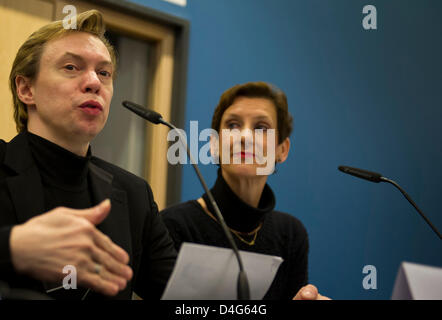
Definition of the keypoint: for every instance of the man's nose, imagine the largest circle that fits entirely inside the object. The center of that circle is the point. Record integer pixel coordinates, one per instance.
(91, 82)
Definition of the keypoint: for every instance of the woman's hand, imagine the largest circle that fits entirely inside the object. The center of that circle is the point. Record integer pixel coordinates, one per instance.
(309, 292)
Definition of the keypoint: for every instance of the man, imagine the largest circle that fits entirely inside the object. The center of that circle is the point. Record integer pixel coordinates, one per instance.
(60, 206)
(61, 82)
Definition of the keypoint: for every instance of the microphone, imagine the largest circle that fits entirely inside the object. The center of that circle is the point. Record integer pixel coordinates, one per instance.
(147, 114)
(243, 291)
(377, 177)
(364, 174)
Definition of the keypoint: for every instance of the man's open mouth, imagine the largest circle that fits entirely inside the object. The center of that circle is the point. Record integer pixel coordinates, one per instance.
(91, 104)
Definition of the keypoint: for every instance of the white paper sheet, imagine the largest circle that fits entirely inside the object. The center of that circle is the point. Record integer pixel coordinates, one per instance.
(210, 273)
(418, 282)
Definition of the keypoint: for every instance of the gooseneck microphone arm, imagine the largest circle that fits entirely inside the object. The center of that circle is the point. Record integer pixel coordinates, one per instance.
(377, 177)
(155, 118)
(413, 204)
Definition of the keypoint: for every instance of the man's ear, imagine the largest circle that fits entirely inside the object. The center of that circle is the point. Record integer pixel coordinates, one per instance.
(25, 91)
(282, 150)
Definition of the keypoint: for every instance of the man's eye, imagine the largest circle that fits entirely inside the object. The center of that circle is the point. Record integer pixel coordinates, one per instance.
(69, 67)
(105, 73)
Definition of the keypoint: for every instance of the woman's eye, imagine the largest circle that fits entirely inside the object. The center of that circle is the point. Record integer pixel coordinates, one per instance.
(262, 127)
(233, 125)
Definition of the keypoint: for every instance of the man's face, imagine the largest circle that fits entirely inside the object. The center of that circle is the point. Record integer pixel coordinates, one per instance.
(73, 89)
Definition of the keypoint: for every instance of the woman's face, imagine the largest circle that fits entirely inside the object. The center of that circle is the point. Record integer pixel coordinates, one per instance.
(256, 148)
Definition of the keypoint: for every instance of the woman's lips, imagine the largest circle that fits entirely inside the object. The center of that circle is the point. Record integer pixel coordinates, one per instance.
(243, 154)
(246, 154)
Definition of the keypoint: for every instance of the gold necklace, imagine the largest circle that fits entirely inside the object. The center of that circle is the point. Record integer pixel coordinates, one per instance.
(250, 243)
(238, 233)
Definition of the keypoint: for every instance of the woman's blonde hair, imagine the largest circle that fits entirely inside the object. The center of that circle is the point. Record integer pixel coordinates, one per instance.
(28, 57)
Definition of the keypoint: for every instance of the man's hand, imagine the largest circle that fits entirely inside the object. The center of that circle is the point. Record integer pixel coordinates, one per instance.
(43, 245)
(309, 292)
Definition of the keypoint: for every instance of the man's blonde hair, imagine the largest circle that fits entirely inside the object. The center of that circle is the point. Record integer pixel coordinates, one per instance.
(28, 57)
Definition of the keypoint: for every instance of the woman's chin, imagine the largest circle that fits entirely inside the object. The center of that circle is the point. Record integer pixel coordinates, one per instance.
(241, 170)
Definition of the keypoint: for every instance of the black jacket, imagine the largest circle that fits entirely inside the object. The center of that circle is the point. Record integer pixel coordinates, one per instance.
(133, 223)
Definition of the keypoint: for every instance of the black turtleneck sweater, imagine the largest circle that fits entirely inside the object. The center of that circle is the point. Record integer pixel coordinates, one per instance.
(64, 176)
(280, 234)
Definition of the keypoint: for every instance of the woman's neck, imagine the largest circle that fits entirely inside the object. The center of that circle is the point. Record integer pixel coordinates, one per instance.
(248, 190)
(238, 214)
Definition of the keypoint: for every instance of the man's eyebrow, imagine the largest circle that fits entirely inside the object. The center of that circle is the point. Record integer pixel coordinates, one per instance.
(78, 57)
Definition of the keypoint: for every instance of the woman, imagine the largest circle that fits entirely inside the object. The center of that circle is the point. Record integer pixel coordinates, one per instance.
(245, 200)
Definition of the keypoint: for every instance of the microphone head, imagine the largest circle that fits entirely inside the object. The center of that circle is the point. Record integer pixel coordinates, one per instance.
(147, 114)
(364, 174)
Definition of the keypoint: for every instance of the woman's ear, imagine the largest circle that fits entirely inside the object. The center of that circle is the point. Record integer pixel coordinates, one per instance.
(214, 147)
(282, 150)
(25, 90)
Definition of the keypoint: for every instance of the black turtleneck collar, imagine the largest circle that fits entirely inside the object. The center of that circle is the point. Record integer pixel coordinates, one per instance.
(58, 166)
(239, 215)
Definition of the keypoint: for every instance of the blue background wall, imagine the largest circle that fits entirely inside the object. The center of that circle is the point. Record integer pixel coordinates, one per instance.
(369, 99)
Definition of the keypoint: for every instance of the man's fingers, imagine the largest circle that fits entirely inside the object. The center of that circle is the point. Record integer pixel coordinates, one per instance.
(98, 277)
(105, 243)
(99, 284)
(114, 269)
(96, 214)
(112, 278)
(112, 259)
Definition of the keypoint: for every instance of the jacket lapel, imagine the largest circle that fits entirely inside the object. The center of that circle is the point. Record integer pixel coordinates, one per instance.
(116, 225)
(25, 187)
